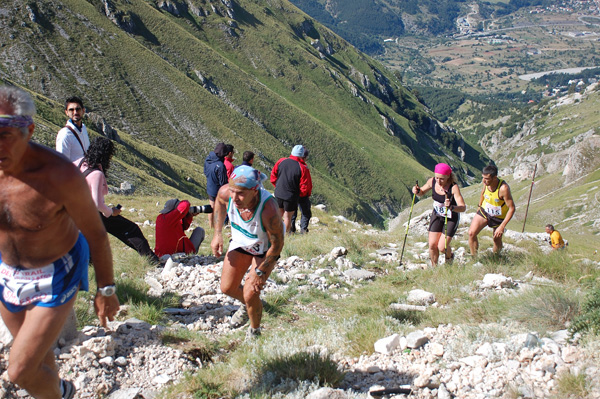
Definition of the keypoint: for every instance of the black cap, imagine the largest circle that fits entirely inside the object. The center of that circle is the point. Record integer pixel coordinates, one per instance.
(170, 205)
(221, 150)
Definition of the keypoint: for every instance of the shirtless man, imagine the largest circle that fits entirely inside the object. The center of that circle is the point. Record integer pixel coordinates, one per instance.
(496, 208)
(256, 242)
(44, 203)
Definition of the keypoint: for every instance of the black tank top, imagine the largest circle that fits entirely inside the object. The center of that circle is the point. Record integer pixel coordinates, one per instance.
(440, 198)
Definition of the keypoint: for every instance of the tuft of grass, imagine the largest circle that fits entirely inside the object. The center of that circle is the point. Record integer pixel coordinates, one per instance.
(557, 266)
(409, 317)
(486, 310)
(572, 385)
(143, 306)
(303, 366)
(363, 334)
(545, 308)
(84, 310)
(207, 383)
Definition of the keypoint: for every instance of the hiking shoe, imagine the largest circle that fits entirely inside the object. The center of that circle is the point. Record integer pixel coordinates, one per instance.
(240, 317)
(68, 389)
(450, 259)
(253, 333)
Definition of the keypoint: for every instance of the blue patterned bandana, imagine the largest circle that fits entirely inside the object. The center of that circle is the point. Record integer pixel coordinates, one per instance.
(18, 121)
(247, 177)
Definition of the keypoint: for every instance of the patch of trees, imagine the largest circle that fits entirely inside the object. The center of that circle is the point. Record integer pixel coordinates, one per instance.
(562, 79)
(514, 5)
(362, 22)
(442, 102)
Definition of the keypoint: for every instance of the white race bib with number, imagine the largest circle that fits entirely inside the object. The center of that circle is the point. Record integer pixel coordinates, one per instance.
(25, 286)
(492, 210)
(441, 210)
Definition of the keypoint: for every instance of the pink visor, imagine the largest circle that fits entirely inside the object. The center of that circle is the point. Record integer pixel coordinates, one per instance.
(443, 169)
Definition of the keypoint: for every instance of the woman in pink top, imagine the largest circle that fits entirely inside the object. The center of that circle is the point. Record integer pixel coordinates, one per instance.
(94, 166)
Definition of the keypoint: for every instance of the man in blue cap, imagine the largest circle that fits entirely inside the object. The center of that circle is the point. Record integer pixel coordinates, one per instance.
(257, 236)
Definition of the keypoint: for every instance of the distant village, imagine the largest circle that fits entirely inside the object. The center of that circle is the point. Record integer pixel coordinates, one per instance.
(471, 23)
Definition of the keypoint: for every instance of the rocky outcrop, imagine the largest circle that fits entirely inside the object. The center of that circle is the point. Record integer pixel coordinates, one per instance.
(119, 18)
(100, 125)
(572, 157)
(172, 7)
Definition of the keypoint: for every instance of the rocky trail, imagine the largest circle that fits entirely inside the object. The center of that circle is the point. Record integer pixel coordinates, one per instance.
(129, 360)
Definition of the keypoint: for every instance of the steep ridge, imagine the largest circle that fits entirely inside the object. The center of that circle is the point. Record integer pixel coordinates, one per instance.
(184, 75)
(563, 140)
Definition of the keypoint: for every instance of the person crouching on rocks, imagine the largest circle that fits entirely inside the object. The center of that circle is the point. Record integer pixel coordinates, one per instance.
(257, 236)
(172, 222)
(447, 205)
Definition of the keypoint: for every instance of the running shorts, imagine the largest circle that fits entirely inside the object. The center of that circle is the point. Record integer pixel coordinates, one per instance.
(288, 205)
(492, 221)
(49, 286)
(436, 224)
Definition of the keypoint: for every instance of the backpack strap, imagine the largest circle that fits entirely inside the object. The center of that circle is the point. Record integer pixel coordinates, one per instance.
(88, 170)
(77, 137)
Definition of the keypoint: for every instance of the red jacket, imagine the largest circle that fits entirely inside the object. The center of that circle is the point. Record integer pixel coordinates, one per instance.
(229, 166)
(170, 231)
(305, 184)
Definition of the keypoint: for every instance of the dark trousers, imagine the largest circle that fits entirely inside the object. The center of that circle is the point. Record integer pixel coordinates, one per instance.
(304, 204)
(130, 234)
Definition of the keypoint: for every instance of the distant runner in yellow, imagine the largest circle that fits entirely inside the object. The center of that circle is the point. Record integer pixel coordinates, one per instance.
(496, 208)
(556, 240)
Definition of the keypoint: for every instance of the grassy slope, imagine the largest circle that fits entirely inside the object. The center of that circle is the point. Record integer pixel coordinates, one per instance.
(274, 90)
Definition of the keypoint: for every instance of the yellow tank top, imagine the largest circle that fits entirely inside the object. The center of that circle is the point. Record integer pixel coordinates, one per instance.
(492, 204)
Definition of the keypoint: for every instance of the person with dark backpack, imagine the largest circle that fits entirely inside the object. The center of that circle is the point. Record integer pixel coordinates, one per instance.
(94, 166)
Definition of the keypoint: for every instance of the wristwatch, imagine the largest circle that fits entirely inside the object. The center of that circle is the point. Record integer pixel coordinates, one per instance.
(259, 272)
(109, 290)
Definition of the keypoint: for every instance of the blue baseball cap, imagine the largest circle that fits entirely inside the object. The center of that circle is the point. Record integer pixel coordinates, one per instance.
(247, 177)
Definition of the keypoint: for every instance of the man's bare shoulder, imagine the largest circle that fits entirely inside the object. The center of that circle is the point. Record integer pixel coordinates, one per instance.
(53, 166)
(223, 194)
(270, 210)
(504, 188)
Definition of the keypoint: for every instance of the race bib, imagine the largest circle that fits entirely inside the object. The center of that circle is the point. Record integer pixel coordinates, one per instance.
(441, 210)
(492, 210)
(26, 286)
(255, 249)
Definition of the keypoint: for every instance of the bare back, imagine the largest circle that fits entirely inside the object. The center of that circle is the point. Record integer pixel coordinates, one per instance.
(35, 228)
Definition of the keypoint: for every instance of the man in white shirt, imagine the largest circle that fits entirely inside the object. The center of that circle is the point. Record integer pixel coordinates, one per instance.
(72, 140)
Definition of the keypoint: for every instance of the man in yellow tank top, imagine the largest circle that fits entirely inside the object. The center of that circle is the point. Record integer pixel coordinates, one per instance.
(556, 240)
(496, 208)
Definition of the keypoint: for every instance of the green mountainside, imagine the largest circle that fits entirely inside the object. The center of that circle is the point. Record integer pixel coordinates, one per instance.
(366, 23)
(177, 77)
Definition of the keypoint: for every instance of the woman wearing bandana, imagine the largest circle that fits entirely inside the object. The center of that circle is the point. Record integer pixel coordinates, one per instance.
(447, 205)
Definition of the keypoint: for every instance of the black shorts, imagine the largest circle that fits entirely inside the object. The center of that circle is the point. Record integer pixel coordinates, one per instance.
(243, 251)
(290, 205)
(436, 225)
(492, 221)
(211, 198)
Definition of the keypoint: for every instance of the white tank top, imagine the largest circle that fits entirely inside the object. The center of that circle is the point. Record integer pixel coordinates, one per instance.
(249, 235)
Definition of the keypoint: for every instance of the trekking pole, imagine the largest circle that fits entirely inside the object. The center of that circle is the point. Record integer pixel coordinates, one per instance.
(529, 199)
(408, 224)
(446, 227)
